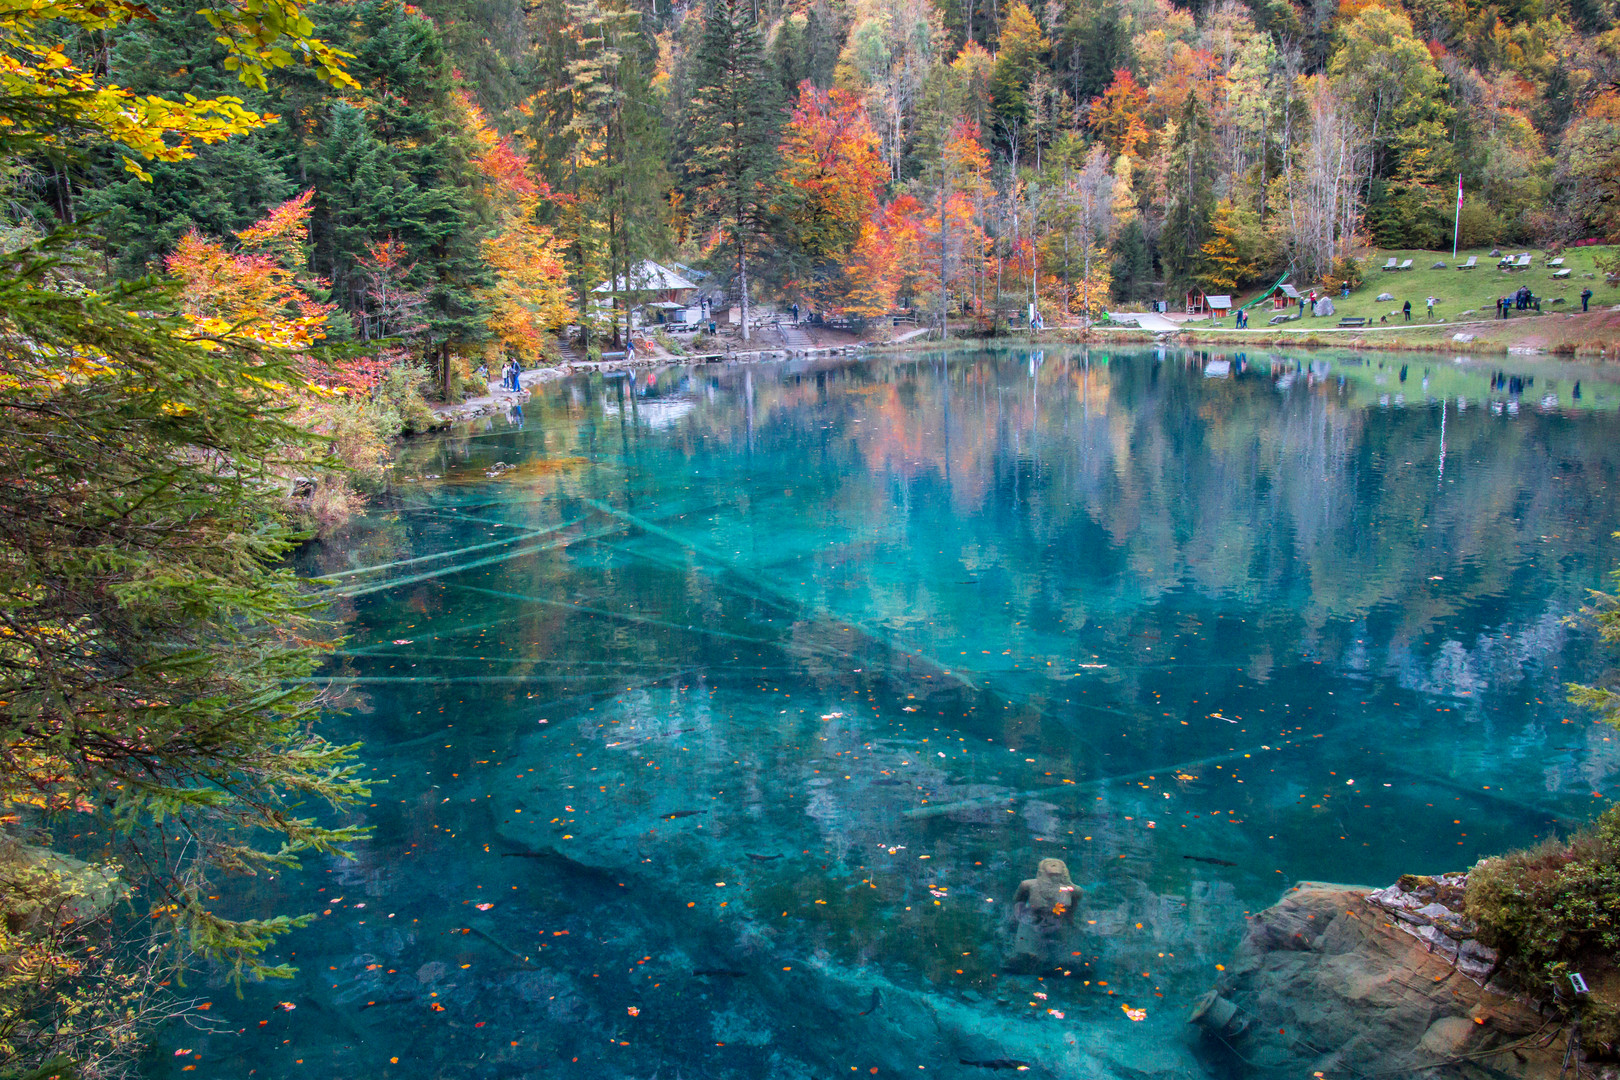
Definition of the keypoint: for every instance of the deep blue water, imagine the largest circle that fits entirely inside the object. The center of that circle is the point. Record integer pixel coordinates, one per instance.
(790, 673)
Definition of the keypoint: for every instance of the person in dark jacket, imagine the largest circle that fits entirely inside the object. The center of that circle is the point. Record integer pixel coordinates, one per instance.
(1406, 309)
(1586, 298)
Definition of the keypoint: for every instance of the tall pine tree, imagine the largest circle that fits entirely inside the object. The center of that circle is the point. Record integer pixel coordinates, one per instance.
(1191, 184)
(398, 169)
(618, 146)
(734, 118)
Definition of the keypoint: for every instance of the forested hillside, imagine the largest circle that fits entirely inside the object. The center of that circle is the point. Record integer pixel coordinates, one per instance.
(495, 160)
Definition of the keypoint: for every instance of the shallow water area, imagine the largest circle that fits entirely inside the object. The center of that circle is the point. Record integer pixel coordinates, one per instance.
(717, 712)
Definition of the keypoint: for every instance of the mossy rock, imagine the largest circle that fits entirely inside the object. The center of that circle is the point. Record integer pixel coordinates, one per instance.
(38, 883)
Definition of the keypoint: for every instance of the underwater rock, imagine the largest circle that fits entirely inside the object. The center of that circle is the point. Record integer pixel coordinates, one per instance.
(1339, 978)
(741, 1025)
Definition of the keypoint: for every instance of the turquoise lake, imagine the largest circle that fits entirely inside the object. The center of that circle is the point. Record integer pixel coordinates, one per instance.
(717, 712)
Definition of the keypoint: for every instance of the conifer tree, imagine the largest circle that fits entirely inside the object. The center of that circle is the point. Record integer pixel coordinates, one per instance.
(1022, 49)
(617, 148)
(1132, 265)
(1191, 184)
(399, 170)
(735, 117)
(156, 655)
(224, 188)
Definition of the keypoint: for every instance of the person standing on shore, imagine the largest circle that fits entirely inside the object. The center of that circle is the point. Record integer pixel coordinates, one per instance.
(1406, 309)
(1586, 298)
(1431, 308)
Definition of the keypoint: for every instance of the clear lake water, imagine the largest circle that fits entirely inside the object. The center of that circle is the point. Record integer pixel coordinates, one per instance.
(717, 712)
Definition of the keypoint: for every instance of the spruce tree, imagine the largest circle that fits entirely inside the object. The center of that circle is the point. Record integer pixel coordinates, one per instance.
(400, 169)
(617, 146)
(1132, 265)
(1018, 59)
(227, 186)
(1191, 184)
(734, 117)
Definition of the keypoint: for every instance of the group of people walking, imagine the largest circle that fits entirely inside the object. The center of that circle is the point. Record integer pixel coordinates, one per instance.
(509, 375)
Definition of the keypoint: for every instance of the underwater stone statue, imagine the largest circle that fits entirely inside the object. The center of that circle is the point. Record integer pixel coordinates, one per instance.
(1042, 908)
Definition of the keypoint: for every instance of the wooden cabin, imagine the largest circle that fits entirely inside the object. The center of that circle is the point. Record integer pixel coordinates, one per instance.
(649, 282)
(1201, 303)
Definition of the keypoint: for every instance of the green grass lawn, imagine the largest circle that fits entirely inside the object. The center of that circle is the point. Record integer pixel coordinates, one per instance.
(1456, 291)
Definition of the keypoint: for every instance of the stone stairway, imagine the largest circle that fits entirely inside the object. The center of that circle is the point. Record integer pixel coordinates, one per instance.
(795, 338)
(568, 352)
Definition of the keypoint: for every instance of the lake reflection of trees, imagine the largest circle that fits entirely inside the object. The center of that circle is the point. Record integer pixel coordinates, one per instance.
(1004, 515)
(1230, 486)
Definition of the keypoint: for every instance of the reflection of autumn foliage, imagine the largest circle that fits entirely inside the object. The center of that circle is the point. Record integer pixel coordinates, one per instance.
(528, 301)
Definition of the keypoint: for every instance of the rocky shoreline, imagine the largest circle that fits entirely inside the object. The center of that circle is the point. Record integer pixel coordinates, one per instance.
(1378, 982)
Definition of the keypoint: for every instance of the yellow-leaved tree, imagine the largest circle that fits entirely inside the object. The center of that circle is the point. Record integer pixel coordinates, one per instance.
(528, 301)
(50, 105)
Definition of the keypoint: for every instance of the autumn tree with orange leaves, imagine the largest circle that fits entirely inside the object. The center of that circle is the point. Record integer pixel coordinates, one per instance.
(832, 174)
(528, 301)
(1118, 117)
(885, 266)
(262, 290)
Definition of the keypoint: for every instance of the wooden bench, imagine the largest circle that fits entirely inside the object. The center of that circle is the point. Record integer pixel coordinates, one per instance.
(1353, 320)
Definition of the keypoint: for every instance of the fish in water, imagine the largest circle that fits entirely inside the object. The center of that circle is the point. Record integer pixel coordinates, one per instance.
(1208, 859)
(998, 1063)
(394, 999)
(720, 973)
(681, 813)
(888, 783)
(761, 858)
(563, 862)
(871, 1008)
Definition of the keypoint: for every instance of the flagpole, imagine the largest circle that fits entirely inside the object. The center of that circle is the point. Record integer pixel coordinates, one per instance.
(1457, 220)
